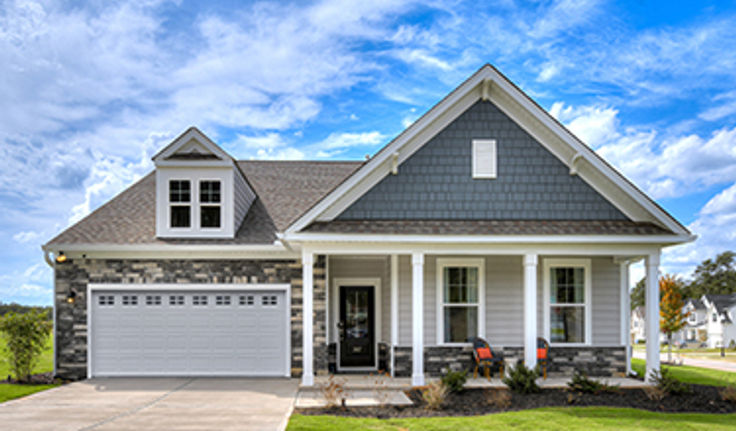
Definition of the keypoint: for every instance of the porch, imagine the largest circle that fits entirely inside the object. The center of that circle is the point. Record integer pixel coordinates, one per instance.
(413, 305)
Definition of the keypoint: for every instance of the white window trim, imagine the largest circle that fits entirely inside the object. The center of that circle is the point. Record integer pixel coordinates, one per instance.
(548, 264)
(494, 145)
(201, 204)
(189, 204)
(443, 263)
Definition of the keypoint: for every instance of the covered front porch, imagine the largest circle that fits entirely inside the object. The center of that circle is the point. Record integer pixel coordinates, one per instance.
(409, 310)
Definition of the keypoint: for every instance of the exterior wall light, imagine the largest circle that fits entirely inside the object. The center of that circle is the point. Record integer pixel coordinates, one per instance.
(61, 258)
(71, 296)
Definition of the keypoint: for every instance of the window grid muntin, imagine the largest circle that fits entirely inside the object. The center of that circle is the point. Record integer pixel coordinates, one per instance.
(153, 299)
(582, 270)
(199, 300)
(222, 300)
(180, 191)
(210, 191)
(130, 300)
(458, 276)
(105, 300)
(269, 300)
(176, 299)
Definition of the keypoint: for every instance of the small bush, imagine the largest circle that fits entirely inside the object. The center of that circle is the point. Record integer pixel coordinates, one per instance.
(26, 337)
(499, 398)
(333, 391)
(654, 393)
(580, 382)
(668, 384)
(455, 380)
(434, 395)
(729, 393)
(522, 380)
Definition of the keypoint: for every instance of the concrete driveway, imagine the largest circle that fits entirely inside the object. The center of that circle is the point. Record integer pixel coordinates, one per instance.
(155, 404)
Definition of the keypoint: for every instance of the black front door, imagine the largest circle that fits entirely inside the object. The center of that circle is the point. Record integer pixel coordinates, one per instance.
(357, 340)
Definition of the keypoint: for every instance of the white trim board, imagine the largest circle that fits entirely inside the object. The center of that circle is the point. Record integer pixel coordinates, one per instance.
(489, 83)
(377, 315)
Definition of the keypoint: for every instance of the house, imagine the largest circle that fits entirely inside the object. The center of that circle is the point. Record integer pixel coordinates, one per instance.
(486, 217)
(720, 311)
(695, 325)
(638, 323)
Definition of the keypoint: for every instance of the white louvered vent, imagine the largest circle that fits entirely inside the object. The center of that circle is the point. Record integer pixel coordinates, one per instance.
(484, 158)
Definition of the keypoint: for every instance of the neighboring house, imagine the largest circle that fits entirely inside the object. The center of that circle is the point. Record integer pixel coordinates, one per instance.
(695, 325)
(720, 311)
(486, 217)
(638, 325)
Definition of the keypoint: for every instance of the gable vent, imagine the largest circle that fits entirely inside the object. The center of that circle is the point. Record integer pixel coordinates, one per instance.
(484, 158)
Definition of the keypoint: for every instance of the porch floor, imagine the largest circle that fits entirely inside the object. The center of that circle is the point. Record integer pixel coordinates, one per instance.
(372, 390)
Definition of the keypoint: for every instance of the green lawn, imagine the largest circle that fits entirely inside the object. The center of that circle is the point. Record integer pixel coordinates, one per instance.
(697, 375)
(572, 418)
(45, 364)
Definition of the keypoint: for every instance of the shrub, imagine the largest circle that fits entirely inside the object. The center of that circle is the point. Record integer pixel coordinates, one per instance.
(499, 398)
(333, 391)
(522, 380)
(729, 393)
(455, 380)
(668, 384)
(654, 393)
(434, 395)
(26, 337)
(580, 382)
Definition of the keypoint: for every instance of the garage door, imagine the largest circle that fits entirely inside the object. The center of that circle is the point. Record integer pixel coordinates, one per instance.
(170, 332)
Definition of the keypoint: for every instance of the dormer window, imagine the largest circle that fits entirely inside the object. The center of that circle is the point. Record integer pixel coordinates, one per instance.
(209, 200)
(180, 201)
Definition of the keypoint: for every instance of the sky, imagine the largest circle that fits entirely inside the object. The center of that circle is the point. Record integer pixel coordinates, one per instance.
(90, 91)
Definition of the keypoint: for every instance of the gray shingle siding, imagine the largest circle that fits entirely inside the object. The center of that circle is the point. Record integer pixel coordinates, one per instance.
(436, 182)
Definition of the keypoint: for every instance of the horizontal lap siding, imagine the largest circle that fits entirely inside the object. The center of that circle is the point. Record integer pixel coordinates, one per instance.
(606, 302)
(504, 301)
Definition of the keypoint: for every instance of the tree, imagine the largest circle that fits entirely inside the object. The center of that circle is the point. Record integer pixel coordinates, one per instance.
(26, 336)
(714, 276)
(671, 309)
(638, 294)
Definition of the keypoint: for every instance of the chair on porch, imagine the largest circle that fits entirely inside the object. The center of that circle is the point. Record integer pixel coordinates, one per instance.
(485, 357)
(543, 355)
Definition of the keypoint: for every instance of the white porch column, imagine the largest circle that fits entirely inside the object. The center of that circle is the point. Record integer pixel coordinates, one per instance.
(417, 314)
(652, 313)
(394, 308)
(307, 317)
(625, 312)
(530, 310)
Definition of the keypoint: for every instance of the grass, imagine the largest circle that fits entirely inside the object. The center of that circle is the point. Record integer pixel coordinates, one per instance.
(571, 418)
(687, 374)
(45, 364)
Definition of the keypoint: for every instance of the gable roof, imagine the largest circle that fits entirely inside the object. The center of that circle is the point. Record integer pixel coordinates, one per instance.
(721, 302)
(192, 148)
(284, 189)
(489, 84)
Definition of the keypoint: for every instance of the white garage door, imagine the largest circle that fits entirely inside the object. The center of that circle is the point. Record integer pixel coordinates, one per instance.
(170, 332)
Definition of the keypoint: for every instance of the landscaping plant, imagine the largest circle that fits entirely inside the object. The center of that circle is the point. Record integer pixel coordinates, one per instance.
(729, 393)
(499, 398)
(522, 380)
(26, 336)
(580, 382)
(333, 391)
(434, 394)
(455, 380)
(668, 384)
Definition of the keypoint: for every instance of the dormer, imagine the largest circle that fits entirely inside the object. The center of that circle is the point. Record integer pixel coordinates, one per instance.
(200, 192)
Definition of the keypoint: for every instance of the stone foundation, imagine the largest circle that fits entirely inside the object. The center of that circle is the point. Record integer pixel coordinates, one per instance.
(595, 361)
(76, 274)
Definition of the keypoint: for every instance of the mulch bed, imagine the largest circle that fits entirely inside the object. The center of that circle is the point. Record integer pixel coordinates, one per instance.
(36, 379)
(472, 402)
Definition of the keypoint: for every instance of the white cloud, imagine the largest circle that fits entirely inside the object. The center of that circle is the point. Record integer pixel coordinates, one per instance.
(722, 203)
(349, 140)
(26, 236)
(664, 166)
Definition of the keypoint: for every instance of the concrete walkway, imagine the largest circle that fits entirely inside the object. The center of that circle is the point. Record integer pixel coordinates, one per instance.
(693, 362)
(143, 404)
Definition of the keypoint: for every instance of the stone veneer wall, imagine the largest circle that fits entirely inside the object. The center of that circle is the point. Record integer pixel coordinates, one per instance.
(595, 361)
(71, 319)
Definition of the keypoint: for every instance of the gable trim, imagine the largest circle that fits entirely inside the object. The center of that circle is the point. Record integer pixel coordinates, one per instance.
(164, 157)
(490, 83)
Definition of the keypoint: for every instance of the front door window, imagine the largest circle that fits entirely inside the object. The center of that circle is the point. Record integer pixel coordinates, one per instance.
(357, 342)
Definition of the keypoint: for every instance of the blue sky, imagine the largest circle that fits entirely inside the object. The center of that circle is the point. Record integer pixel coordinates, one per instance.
(92, 90)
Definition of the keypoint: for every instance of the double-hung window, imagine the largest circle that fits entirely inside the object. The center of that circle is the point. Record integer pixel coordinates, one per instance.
(180, 197)
(567, 301)
(209, 204)
(460, 292)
